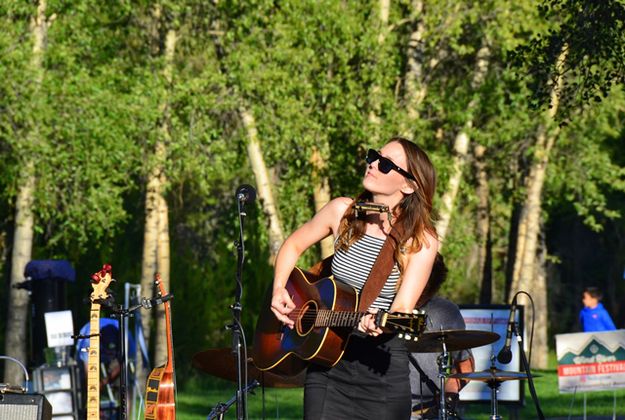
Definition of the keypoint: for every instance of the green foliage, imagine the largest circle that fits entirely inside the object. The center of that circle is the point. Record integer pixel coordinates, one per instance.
(312, 73)
(588, 168)
(593, 34)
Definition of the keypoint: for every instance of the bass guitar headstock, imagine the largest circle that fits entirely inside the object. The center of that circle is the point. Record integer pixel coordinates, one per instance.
(409, 325)
(100, 282)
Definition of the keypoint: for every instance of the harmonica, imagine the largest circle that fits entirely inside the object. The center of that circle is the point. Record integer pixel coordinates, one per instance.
(363, 207)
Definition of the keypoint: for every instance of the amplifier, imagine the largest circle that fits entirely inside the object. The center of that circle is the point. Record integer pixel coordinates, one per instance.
(24, 407)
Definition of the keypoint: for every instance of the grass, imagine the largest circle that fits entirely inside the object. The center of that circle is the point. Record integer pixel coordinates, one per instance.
(201, 394)
(554, 404)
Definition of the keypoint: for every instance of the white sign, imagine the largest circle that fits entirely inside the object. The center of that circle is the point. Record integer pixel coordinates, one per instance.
(593, 361)
(495, 319)
(59, 328)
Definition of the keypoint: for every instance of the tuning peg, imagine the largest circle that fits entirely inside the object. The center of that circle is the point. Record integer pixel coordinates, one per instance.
(95, 278)
(407, 337)
(107, 268)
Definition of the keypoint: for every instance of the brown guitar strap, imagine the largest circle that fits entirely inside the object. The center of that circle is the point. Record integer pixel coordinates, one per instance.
(381, 270)
(379, 273)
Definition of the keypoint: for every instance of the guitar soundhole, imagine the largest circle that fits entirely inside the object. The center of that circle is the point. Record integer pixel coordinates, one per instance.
(306, 320)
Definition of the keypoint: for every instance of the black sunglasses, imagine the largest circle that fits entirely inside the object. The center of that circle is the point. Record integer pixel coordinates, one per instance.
(386, 165)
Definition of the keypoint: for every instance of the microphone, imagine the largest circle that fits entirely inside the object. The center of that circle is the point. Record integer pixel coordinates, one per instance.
(149, 303)
(505, 355)
(246, 193)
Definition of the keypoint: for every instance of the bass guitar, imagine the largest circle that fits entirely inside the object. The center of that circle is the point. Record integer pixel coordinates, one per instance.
(160, 391)
(100, 282)
(325, 315)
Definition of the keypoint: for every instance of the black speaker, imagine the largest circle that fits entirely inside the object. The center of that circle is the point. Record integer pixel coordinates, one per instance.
(24, 407)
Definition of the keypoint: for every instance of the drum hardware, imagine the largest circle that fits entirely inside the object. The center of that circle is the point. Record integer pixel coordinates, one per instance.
(443, 342)
(431, 341)
(444, 364)
(493, 378)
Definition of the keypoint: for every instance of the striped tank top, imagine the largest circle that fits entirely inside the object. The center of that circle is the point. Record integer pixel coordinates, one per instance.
(354, 265)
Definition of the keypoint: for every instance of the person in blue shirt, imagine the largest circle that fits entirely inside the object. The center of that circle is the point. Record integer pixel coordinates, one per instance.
(594, 317)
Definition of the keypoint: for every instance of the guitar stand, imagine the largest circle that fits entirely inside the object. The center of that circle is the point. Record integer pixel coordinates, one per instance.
(121, 313)
(220, 409)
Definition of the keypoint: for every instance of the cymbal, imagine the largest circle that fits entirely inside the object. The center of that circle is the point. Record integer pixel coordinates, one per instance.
(432, 341)
(222, 364)
(491, 375)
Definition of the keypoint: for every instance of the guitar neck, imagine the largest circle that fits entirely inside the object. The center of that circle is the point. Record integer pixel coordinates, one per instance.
(93, 365)
(329, 318)
(170, 345)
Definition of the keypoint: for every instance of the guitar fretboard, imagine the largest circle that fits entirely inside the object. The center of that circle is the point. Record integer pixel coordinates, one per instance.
(93, 365)
(329, 318)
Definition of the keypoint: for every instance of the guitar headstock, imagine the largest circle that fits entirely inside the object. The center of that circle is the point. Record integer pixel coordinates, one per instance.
(159, 284)
(100, 281)
(409, 325)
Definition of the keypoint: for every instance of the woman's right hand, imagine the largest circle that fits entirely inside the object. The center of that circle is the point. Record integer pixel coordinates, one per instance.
(282, 305)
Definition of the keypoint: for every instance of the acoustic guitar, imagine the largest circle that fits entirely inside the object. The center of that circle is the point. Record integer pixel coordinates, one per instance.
(325, 316)
(100, 282)
(160, 391)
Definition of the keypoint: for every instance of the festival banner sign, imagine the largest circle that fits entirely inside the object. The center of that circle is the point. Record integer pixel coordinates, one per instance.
(593, 361)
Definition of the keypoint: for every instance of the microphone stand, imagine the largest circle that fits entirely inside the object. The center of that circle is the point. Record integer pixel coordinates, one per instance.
(238, 337)
(220, 409)
(524, 362)
(526, 367)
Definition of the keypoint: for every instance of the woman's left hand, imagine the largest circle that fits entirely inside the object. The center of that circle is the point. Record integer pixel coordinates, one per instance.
(367, 324)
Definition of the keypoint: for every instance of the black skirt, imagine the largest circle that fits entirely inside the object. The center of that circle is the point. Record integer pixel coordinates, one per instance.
(371, 381)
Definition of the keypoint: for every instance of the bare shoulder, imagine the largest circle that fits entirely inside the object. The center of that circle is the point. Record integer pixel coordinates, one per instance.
(428, 251)
(432, 243)
(333, 212)
(340, 204)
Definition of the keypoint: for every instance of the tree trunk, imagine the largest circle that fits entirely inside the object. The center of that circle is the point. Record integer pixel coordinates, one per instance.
(538, 289)
(321, 194)
(17, 310)
(519, 248)
(265, 191)
(415, 88)
(527, 247)
(257, 161)
(150, 238)
(374, 113)
(162, 241)
(156, 252)
(461, 147)
(484, 256)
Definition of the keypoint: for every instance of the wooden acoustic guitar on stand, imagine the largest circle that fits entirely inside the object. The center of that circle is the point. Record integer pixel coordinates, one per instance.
(160, 390)
(100, 282)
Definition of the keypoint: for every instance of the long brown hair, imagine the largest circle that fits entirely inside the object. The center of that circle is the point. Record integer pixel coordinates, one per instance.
(413, 213)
